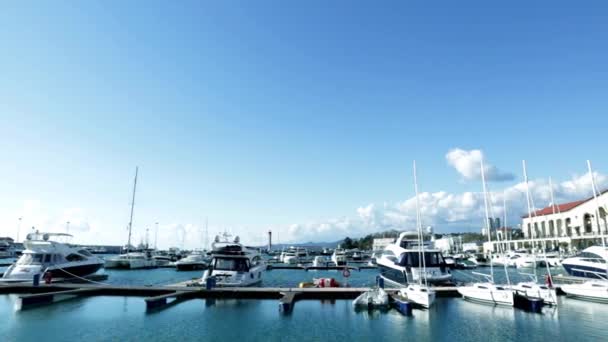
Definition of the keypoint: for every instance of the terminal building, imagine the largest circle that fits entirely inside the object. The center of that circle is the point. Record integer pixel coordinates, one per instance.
(577, 224)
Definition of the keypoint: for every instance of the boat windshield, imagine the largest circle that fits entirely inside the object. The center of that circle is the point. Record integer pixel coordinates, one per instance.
(231, 264)
(30, 259)
(431, 259)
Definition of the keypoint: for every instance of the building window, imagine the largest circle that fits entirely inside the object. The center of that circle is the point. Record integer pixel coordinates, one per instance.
(587, 224)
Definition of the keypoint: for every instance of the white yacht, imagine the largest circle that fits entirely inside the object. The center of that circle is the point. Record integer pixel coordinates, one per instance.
(320, 261)
(131, 261)
(419, 294)
(591, 263)
(233, 264)
(533, 289)
(295, 255)
(42, 254)
(339, 257)
(197, 260)
(487, 292)
(400, 262)
(592, 290)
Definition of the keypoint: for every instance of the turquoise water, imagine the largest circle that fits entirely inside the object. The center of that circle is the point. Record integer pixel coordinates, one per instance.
(125, 319)
(451, 319)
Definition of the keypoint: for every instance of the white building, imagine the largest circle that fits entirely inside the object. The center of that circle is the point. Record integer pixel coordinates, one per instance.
(577, 224)
(573, 219)
(380, 244)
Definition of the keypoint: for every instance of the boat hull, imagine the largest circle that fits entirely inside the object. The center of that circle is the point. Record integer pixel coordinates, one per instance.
(489, 295)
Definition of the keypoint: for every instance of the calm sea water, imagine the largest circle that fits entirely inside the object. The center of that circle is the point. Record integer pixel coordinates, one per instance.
(451, 319)
(125, 319)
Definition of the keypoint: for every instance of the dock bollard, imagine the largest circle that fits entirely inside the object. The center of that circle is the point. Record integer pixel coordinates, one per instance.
(36, 281)
(380, 281)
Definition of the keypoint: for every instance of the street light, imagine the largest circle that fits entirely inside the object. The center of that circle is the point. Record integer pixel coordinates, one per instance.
(67, 227)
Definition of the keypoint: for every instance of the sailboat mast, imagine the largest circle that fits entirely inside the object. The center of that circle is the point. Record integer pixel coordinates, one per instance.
(597, 205)
(488, 228)
(419, 228)
(132, 207)
(206, 232)
(504, 256)
(543, 243)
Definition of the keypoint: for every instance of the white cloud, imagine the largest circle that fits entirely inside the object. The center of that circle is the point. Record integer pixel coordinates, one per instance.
(468, 165)
(447, 211)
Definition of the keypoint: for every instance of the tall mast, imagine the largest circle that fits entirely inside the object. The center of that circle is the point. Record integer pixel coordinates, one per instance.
(597, 205)
(419, 228)
(132, 207)
(156, 237)
(504, 220)
(206, 232)
(504, 251)
(543, 243)
(488, 228)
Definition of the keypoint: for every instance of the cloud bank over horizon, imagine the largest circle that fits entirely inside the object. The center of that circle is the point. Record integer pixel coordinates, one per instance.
(445, 211)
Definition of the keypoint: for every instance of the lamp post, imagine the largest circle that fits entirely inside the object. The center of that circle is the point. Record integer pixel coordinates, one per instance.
(67, 227)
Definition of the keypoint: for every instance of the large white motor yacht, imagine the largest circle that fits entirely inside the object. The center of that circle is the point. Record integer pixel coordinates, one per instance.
(233, 264)
(42, 255)
(591, 263)
(400, 262)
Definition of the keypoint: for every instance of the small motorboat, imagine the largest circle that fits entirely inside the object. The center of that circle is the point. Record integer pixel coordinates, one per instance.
(374, 298)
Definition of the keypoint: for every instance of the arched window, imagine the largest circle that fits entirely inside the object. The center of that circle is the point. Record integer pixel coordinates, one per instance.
(587, 224)
(560, 231)
(543, 229)
(551, 228)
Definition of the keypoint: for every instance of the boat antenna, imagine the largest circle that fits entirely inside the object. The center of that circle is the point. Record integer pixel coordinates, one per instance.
(597, 206)
(132, 207)
(419, 228)
(488, 227)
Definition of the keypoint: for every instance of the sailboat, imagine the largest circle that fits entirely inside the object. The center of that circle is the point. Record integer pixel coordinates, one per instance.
(420, 294)
(596, 289)
(487, 292)
(533, 288)
(132, 260)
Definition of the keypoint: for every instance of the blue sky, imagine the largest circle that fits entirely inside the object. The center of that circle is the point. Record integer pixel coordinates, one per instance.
(286, 116)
